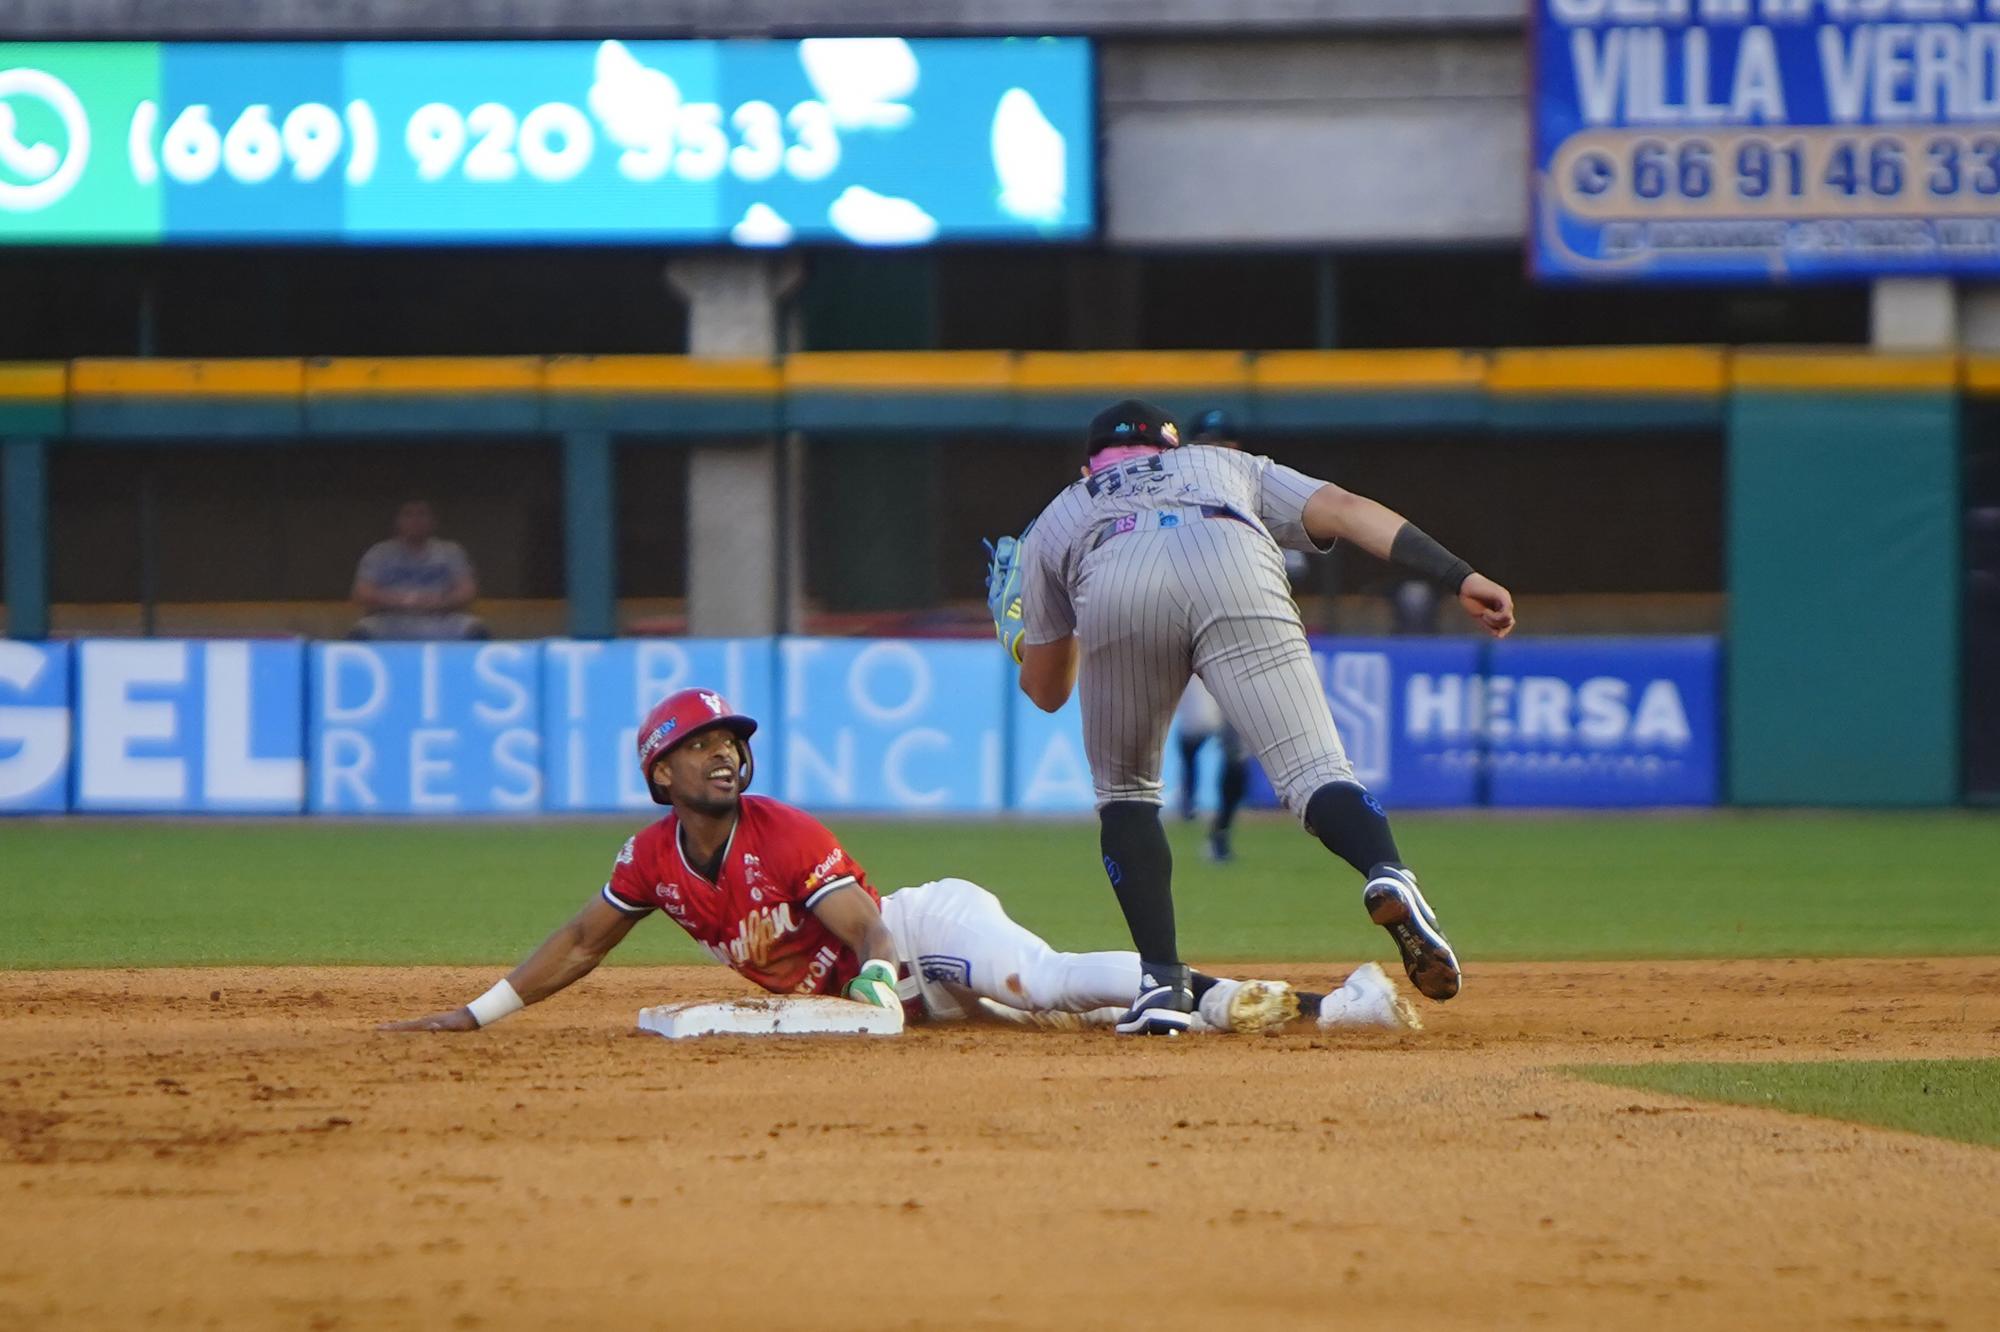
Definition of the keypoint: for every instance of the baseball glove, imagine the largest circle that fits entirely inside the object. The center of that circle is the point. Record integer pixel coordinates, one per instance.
(1003, 592)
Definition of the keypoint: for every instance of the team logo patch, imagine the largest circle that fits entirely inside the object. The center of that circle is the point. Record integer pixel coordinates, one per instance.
(671, 900)
(1170, 434)
(714, 702)
(941, 970)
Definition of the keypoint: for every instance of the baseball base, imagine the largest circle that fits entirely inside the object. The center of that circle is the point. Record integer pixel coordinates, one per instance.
(771, 1017)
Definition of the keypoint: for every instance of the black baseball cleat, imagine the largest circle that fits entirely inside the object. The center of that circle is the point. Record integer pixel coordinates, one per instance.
(1394, 903)
(1162, 1009)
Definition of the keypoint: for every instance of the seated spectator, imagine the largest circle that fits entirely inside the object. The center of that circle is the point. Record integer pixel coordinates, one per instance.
(415, 586)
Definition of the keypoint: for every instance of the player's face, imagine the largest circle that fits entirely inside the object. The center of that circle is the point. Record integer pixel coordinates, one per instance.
(703, 773)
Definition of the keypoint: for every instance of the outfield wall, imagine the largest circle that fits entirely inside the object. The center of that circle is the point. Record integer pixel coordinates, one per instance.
(282, 726)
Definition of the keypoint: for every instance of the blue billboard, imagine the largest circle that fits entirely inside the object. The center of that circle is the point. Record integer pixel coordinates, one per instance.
(172, 726)
(34, 727)
(425, 728)
(1763, 141)
(876, 141)
(846, 725)
(1581, 722)
(594, 693)
(1451, 722)
(893, 724)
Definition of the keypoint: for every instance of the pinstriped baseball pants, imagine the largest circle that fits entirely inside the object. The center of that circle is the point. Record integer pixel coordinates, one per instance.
(1208, 598)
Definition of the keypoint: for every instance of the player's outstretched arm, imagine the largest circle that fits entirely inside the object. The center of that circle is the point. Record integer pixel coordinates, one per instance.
(857, 922)
(564, 958)
(1334, 514)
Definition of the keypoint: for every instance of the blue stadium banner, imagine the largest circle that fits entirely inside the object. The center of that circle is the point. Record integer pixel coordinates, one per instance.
(425, 728)
(594, 693)
(34, 727)
(1581, 722)
(874, 141)
(1406, 711)
(1758, 140)
(1050, 773)
(892, 725)
(173, 726)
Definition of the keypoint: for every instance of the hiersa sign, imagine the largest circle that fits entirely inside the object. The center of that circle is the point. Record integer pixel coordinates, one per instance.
(1762, 139)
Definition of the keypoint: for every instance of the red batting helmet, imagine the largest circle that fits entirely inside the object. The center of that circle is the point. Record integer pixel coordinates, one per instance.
(678, 716)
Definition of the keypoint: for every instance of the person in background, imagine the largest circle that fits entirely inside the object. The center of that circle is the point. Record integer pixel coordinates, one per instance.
(1413, 607)
(1198, 720)
(416, 585)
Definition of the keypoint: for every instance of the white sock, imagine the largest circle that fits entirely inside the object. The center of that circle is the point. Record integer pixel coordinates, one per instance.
(1214, 1006)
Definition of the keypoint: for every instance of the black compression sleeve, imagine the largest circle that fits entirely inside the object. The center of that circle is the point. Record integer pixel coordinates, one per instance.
(1415, 549)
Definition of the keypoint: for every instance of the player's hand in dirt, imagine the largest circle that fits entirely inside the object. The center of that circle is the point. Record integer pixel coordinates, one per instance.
(1487, 602)
(458, 1019)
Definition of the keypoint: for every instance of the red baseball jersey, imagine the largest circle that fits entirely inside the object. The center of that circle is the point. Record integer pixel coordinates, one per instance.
(757, 919)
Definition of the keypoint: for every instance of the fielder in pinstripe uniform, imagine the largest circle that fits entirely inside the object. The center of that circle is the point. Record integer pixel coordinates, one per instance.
(1161, 562)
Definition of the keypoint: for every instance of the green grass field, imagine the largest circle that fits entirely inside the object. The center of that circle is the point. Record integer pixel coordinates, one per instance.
(1944, 1098)
(99, 892)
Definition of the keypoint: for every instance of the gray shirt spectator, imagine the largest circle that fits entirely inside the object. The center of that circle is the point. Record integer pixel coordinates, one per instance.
(415, 585)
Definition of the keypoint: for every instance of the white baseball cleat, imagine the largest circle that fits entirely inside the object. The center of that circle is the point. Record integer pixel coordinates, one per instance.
(1368, 998)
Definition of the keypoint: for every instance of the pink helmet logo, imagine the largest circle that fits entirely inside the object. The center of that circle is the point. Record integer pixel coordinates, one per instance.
(714, 702)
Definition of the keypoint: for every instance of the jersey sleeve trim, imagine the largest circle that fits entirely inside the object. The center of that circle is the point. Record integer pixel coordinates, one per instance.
(826, 888)
(629, 908)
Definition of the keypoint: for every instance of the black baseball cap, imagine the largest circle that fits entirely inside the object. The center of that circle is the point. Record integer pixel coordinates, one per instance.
(1214, 424)
(1131, 422)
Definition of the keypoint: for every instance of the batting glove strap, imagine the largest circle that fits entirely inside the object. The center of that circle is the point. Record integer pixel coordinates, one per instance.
(875, 985)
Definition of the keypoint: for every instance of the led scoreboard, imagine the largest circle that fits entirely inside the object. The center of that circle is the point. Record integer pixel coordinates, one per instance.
(1765, 139)
(857, 141)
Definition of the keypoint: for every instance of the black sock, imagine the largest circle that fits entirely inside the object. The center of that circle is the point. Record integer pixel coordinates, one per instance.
(1351, 824)
(1141, 868)
(1235, 781)
(1175, 976)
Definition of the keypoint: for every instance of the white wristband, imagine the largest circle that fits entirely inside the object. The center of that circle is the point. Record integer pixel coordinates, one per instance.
(495, 1004)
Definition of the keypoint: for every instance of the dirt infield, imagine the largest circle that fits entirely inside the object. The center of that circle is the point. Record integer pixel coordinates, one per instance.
(237, 1148)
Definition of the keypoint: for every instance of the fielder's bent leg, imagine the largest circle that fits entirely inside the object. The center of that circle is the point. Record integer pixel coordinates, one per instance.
(1352, 824)
(1260, 670)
